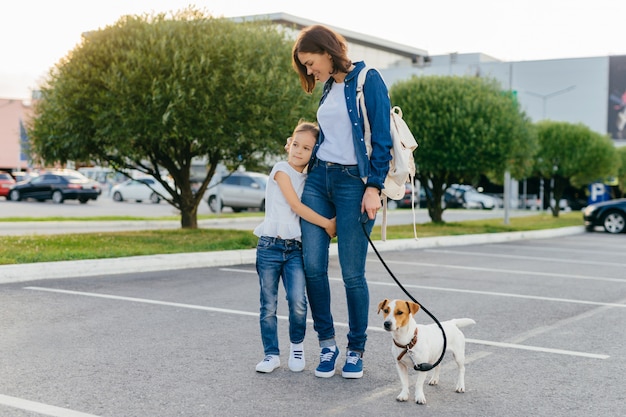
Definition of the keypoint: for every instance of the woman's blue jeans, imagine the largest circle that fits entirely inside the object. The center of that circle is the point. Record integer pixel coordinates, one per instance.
(336, 190)
(276, 258)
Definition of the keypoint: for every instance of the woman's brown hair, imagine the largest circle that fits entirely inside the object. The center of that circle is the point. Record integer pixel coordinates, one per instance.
(319, 39)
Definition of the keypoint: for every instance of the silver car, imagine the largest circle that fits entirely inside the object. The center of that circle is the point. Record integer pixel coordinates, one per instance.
(140, 189)
(239, 191)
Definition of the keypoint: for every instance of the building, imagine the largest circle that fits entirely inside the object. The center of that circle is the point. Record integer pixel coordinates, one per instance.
(13, 138)
(591, 91)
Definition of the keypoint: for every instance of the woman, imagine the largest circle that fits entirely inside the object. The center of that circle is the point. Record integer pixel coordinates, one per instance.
(343, 181)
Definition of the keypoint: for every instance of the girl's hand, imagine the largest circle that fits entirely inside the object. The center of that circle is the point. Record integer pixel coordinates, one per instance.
(331, 229)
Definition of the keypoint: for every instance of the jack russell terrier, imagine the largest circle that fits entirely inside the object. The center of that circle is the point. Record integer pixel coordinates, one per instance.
(414, 344)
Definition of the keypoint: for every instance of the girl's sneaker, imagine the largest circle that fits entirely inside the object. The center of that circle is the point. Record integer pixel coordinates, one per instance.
(296, 357)
(268, 364)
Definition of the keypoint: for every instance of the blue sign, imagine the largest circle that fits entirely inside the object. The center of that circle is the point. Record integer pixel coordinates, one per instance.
(598, 192)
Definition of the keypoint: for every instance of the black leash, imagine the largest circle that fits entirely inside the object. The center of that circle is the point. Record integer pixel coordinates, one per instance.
(425, 367)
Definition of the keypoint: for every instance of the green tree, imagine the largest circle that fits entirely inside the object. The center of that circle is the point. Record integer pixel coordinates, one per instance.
(161, 91)
(465, 127)
(572, 154)
(621, 172)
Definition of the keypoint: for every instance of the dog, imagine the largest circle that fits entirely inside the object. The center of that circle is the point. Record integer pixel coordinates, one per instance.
(414, 344)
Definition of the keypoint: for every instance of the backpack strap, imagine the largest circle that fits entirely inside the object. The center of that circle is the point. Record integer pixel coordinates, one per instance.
(360, 98)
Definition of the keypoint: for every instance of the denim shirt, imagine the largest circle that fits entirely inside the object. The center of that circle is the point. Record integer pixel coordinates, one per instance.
(373, 169)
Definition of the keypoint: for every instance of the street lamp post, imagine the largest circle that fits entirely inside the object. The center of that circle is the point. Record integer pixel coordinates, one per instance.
(544, 98)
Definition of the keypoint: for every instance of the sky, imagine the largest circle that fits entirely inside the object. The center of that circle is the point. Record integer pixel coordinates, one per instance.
(36, 34)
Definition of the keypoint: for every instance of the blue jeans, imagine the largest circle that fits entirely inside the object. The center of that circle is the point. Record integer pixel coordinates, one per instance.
(276, 258)
(336, 190)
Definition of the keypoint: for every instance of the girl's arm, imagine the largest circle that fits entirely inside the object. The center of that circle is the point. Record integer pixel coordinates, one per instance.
(305, 212)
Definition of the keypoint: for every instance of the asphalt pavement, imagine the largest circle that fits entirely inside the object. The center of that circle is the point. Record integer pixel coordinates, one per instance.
(547, 339)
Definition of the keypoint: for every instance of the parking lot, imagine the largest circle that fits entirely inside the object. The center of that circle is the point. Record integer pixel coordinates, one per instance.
(548, 339)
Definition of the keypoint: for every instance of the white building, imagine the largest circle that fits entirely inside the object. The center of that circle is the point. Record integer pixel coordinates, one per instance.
(591, 91)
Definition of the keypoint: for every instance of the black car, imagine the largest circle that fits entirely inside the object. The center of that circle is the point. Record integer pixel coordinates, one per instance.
(609, 214)
(58, 187)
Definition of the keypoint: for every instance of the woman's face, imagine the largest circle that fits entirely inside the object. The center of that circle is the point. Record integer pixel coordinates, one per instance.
(318, 65)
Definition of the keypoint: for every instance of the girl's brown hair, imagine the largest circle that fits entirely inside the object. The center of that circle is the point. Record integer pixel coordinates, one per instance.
(304, 126)
(319, 39)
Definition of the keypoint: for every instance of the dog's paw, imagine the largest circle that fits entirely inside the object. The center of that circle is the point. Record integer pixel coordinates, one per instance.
(460, 389)
(404, 396)
(433, 381)
(420, 399)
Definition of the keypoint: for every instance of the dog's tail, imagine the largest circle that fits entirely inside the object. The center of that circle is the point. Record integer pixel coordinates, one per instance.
(462, 322)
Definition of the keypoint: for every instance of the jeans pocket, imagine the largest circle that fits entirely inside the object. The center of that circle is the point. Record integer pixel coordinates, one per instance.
(264, 242)
(352, 172)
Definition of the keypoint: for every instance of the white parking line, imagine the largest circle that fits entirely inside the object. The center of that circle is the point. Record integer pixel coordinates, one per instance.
(338, 324)
(498, 294)
(491, 293)
(531, 258)
(509, 271)
(43, 409)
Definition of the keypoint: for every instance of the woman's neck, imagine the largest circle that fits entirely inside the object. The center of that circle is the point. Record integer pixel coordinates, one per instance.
(341, 76)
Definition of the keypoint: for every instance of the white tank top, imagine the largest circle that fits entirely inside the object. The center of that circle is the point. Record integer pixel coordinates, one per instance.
(280, 220)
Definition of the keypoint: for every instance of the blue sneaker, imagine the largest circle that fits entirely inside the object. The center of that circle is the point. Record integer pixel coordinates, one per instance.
(328, 357)
(354, 365)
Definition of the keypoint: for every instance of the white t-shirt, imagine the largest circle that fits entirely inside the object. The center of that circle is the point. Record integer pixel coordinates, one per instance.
(280, 220)
(332, 116)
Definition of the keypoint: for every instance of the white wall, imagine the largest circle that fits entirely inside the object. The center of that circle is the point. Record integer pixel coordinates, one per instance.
(572, 90)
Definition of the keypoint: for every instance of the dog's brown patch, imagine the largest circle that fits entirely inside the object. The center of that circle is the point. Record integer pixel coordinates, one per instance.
(401, 310)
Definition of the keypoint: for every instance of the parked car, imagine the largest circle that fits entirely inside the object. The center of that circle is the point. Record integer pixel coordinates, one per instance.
(57, 186)
(611, 215)
(20, 176)
(6, 182)
(406, 201)
(139, 189)
(466, 196)
(239, 191)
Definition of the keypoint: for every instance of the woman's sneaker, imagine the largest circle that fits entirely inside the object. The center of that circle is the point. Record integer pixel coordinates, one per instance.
(328, 357)
(354, 365)
(296, 357)
(268, 364)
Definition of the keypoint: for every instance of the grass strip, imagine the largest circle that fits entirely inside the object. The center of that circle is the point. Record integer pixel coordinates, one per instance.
(77, 246)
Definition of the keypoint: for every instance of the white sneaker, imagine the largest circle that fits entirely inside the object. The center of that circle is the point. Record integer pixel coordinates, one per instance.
(296, 357)
(268, 364)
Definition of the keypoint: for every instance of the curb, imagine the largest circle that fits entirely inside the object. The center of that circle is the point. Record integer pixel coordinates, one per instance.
(167, 262)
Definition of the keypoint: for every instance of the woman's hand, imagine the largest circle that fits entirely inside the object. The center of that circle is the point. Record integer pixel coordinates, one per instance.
(371, 202)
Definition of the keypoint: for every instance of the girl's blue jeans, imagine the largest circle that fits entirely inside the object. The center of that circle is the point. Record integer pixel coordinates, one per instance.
(336, 190)
(276, 258)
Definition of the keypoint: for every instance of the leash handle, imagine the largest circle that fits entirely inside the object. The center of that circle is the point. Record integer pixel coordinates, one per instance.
(424, 367)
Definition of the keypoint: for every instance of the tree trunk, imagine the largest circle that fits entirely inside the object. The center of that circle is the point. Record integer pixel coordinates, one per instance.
(189, 210)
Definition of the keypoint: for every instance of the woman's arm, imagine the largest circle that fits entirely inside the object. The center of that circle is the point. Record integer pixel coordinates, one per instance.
(378, 111)
(308, 214)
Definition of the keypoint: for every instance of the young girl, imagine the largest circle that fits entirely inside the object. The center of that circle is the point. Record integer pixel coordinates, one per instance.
(279, 249)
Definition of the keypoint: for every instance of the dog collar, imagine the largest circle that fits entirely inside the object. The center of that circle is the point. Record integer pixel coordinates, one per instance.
(406, 348)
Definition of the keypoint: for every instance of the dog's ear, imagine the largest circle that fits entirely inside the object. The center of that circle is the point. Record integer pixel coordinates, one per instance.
(382, 305)
(414, 307)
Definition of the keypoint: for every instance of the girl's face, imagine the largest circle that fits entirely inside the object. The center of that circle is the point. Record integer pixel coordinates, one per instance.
(318, 65)
(301, 149)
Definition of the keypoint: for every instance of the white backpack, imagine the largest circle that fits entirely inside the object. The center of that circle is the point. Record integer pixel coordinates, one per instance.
(402, 164)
